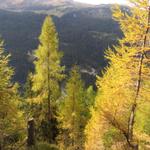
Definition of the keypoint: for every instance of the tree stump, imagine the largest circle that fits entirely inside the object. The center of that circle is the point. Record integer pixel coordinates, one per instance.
(31, 133)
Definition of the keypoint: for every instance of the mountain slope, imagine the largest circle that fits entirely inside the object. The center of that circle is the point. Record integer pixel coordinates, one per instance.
(84, 35)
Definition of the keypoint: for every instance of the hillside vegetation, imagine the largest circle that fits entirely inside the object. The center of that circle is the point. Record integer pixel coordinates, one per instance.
(89, 31)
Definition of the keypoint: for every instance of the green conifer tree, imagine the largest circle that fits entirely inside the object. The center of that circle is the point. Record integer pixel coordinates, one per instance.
(28, 93)
(11, 118)
(48, 74)
(28, 104)
(73, 112)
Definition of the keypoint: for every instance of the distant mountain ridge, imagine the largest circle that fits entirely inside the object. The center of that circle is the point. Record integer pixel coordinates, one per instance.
(52, 7)
(85, 31)
(16, 4)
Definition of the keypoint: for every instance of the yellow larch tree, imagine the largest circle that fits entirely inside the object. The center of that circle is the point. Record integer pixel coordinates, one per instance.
(12, 124)
(47, 77)
(123, 101)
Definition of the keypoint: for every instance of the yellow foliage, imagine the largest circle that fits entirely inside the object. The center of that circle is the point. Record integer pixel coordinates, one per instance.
(117, 88)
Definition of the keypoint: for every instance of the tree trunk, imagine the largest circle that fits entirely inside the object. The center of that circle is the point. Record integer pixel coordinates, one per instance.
(49, 111)
(0, 146)
(31, 133)
(135, 147)
(138, 87)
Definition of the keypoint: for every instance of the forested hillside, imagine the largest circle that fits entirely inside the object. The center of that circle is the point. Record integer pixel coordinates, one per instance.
(89, 31)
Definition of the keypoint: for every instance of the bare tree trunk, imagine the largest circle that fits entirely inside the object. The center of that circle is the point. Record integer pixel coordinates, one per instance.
(136, 147)
(0, 146)
(49, 111)
(31, 133)
(138, 87)
(134, 106)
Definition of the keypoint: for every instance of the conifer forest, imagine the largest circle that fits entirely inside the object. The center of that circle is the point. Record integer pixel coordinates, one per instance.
(56, 109)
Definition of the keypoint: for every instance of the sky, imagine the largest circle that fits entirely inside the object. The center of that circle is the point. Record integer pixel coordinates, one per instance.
(96, 2)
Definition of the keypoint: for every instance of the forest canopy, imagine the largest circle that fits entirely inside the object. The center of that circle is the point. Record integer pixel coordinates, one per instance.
(57, 111)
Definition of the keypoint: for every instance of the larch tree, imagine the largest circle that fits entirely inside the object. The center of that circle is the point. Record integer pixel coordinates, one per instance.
(48, 74)
(73, 113)
(28, 93)
(11, 118)
(122, 102)
(28, 104)
(90, 97)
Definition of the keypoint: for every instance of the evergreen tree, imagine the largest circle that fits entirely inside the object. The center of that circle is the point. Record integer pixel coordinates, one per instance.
(11, 120)
(28, 93)
(90, 97)
(124, 88)
(73, 112)
(48, 74)
(28, 104)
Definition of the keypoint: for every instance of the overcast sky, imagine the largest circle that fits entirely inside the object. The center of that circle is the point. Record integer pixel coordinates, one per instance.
(96, 2)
